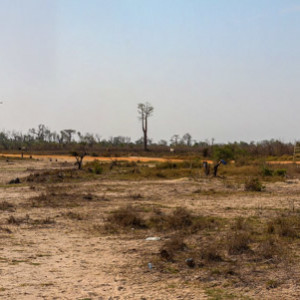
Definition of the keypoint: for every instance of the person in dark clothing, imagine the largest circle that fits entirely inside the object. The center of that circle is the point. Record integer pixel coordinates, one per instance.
(206, 167)
(221, 161)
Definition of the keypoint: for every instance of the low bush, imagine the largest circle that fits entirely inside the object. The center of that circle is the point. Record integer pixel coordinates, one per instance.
(280, 172)
(238, 242)
(254, 185)
(169, 250)
(270, 172)
(211, 252)
(4, 205)
(267, 171)
(180, 218)
(126, 217)
(94, 167)
(287, 226)
(270, 249)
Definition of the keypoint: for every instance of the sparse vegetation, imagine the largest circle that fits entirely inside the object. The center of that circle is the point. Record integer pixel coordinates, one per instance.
(127, 217)
(253, 185)
(171, 248)
(206, 228)
(4, 205)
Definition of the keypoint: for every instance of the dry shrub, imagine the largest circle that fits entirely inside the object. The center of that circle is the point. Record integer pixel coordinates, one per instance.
(53, 197)
(136, 196)
(15, 181)
(17, 221)
(126, 217)
(158, 220)
(211, 252)
(180, 218)
(45, 221)
(270, 227)
(285, 226)
(53, 176)
(238, 242)
(203, 222)
(27, 220)
(94, 167)
(271, 249)
(253, 185)
(272, 284)
(88, 197)
(288, 226)
(169, 250)
(239, 224)
(287, 229)
(5, 230)
(4, 205)
(74, 216)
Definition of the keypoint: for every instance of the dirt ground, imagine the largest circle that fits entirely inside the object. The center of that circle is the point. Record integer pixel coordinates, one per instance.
(56, 252)
(68, 158)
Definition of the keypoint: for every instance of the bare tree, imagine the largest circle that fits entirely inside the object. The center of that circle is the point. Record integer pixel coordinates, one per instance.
(67, 134)
(145, 111)
(187, 139)
(79, 158)
(174, 140)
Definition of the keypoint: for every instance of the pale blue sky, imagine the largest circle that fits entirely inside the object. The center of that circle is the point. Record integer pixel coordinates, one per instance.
(223, 69)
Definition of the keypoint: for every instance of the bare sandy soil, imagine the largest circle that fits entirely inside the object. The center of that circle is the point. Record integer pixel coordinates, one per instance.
(57, 252)
(68, 158)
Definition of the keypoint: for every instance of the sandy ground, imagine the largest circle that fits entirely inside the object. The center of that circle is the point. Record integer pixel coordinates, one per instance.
(70, 260)
(68, 158)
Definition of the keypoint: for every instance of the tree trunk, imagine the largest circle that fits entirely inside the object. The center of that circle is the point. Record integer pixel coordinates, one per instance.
(80, 164)
(145, 141)
(145, 129)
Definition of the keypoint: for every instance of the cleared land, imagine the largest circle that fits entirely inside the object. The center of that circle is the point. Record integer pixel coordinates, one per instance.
(69, 158)
(68, 234)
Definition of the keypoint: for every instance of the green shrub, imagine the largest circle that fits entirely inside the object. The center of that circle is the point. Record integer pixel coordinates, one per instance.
(225, 152)
(94, 167)
(280, 172)
(166, 165)
(98, 169)
(267, 171)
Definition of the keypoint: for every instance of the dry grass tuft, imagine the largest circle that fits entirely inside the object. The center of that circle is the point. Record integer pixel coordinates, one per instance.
(271, 249)
(211, 253)
(169, 250)
(126, 217)
(27, 220)
(180, 218)
(74, 216)
(4, 205)
(238, 242)
(254, 185)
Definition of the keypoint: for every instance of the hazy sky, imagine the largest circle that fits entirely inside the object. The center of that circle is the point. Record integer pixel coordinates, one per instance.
(223, 69)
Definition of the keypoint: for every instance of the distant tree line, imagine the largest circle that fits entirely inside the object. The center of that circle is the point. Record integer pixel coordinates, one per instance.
(42, 139)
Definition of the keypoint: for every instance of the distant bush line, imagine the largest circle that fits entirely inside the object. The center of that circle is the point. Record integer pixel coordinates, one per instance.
(43, 140)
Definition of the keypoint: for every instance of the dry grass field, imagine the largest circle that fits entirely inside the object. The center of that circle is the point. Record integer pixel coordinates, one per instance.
(69, 234)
